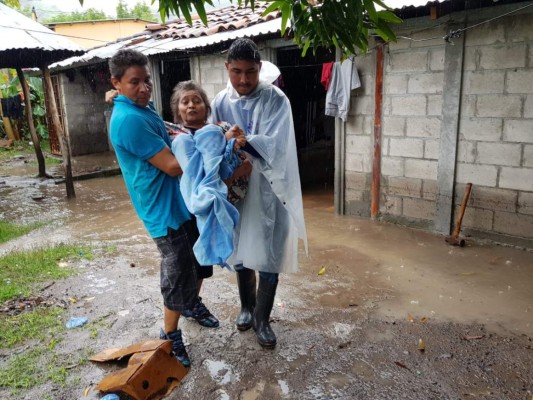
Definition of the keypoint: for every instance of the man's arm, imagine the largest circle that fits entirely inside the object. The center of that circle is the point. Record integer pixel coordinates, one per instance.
(166, 162)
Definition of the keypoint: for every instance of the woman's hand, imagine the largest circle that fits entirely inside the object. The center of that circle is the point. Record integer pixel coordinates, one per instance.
(234, 132)
(243, 171)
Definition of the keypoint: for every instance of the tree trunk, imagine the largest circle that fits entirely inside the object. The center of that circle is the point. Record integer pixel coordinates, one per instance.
(63, 139)
(29, 116)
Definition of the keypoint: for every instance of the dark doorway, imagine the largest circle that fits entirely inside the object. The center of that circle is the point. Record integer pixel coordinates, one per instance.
(315, 132)
(172, 71)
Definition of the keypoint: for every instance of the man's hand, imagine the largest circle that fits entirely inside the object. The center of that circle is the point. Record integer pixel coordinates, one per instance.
(239, 143)
(110, 95)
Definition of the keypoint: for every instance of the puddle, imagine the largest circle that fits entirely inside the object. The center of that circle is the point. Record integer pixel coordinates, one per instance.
(221, 372)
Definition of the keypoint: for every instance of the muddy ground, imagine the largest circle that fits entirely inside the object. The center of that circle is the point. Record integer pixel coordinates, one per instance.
(351, 333)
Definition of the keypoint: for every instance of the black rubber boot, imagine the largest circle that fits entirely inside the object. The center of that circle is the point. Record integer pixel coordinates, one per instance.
(265, 300)
(247, 290)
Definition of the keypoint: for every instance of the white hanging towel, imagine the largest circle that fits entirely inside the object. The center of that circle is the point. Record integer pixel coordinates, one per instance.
(344, 78)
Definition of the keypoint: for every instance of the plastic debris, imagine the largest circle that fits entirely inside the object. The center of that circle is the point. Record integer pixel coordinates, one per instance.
(76, 322)
(322, 271)
(110, 396)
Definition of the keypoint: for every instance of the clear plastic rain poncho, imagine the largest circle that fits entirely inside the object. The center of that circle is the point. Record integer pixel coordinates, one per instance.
(272, 219)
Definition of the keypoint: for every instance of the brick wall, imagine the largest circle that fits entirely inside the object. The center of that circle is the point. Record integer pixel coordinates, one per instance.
(494, 133)
(496, 127)
(412, 93)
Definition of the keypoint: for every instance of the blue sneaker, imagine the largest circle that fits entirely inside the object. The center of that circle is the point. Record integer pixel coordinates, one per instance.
(178, 348)
(201, 314)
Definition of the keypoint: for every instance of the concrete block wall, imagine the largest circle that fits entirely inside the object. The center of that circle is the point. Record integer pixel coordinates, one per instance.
(359, 141)
(85, 120)
(494, 147)
(496, 130)
(411, 124)
(210, 72)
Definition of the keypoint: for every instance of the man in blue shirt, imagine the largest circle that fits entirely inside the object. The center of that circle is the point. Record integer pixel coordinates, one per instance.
(150, 171)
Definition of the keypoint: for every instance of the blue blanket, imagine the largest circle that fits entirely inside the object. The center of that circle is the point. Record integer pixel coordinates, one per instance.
(203, 158)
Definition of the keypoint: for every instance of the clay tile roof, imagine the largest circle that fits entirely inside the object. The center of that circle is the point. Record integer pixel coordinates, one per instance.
(225, 19)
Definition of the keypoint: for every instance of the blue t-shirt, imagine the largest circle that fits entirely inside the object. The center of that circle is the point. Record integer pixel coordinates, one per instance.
(137, 134)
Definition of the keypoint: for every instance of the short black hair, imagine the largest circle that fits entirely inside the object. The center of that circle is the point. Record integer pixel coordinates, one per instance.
(244, 49)
(177, 94)
(123, 59)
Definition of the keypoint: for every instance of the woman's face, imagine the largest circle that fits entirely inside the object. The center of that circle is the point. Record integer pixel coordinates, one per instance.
(192, 109)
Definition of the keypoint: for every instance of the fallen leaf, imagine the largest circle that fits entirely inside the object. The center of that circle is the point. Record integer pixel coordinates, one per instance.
(86, 391)
(410, 318)
(72, 300)
(423, 320)
(322, 271)
(421, 345)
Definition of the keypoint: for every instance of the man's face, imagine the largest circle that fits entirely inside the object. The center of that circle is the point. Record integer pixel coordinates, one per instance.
(135, 84)
(243, 75)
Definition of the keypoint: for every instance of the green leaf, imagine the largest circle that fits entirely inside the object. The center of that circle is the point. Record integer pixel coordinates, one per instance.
(200, 9)
(389, 16)
(371, 10)
(272, 7)
(184, 7)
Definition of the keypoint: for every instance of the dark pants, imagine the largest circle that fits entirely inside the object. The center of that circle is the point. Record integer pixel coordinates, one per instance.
(180, 271)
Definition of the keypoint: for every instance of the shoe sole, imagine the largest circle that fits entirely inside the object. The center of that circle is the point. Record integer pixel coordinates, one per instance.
(268, 346)
(243, 328)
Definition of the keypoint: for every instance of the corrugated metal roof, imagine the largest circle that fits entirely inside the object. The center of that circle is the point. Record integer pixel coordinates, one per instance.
(26, 43)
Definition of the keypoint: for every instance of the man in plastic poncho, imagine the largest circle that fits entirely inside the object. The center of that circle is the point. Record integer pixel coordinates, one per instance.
(272, 221)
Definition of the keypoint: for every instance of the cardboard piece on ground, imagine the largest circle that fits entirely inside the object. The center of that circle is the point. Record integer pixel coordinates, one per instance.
(150, 374)
(118, 353)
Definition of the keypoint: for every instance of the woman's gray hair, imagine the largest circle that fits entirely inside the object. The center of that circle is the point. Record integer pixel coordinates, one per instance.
(177, 94)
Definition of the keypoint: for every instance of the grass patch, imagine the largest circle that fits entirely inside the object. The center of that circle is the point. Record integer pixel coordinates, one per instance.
(36, 367)
(19, 271)
(23, 148)
(20, 148)
(10, 231)
(33, 325)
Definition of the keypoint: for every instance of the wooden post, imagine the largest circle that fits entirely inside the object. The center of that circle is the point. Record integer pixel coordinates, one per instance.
(63, 140)
(378, 109)
(29, 117)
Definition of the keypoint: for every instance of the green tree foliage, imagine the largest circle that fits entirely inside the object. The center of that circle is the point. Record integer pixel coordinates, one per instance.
(11, 3)
(345, 24)
(141, 10)
(91, 14)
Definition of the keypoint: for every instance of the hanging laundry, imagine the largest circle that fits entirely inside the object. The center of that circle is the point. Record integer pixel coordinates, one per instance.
(12, 107)
(325, 79)
(344, 78)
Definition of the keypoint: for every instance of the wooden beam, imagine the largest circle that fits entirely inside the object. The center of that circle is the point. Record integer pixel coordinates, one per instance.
(63, 139)
(31, 126)
(378, 110)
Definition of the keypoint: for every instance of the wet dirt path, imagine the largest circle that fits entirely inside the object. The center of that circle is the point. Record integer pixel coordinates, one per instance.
(351, 333)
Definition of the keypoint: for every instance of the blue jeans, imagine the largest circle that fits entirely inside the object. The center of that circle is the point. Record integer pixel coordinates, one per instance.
(270, 277)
